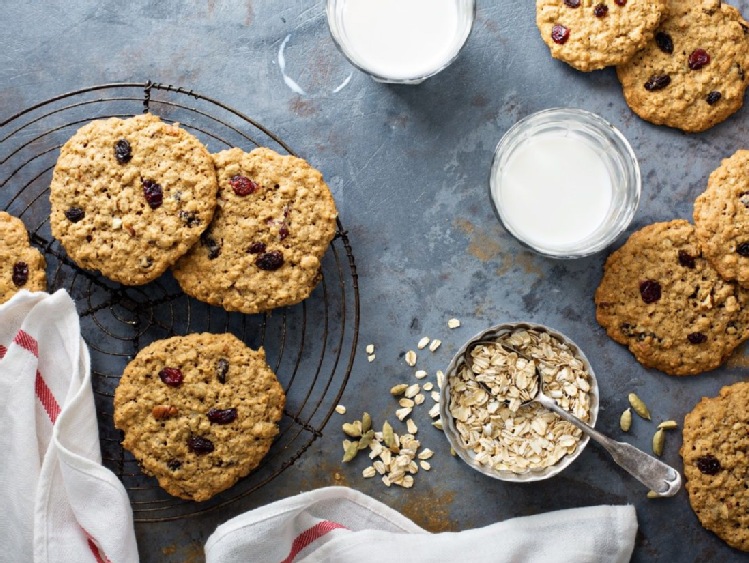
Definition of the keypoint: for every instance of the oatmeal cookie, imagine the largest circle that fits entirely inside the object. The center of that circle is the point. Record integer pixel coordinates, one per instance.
(21, 265)
(592, 34)
(660, 297)
(198, 412)
(274, 221)
(131, 196)
(716, 463)
(721, 217)
(694, 72)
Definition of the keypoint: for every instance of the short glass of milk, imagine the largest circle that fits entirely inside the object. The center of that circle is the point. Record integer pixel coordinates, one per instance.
(400, 41)
(565, 182)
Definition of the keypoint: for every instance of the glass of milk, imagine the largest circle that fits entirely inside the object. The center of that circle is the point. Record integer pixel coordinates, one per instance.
(400, 41)
(565, 182)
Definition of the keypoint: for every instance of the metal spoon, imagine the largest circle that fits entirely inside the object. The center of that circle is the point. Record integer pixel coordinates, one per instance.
(651, 472)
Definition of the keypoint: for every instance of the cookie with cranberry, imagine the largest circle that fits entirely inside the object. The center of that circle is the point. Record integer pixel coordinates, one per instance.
(591, 35)
(274, 222)
(694, 72)
(130, 196)
(662, 298)
(716, 465)
(198, 412)
(721, 217)
(21, 265)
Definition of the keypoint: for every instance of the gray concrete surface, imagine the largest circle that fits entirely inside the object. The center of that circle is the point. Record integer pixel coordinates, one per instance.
(409, 169)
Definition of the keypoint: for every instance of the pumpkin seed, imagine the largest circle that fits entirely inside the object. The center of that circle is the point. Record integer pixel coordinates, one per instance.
(387, 435)
(668, 425)
(659, 440)
(366, 422)
(639, 406)
(366, 439)
(625, 421)
(351, 451)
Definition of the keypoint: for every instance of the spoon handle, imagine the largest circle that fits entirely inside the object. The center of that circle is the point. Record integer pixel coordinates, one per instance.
(651, 472)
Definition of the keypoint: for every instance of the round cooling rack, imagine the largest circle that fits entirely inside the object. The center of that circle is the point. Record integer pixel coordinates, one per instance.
(310, 346)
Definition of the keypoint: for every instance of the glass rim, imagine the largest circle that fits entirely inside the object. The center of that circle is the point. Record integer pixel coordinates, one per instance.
(340, 44)
(632, 180)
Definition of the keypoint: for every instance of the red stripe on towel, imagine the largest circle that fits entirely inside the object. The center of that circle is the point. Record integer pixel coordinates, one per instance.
(25, 340)
(3, 351)
(45, 396)
(98, 555)
(308, 536)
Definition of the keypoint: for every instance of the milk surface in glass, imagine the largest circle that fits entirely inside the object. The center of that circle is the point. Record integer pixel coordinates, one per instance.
(555, 190)
(401, 39)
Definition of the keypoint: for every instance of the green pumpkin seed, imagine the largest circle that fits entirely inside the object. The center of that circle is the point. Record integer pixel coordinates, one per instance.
(668, 425)
(366, 422)
(366, 439)
(388, 435)
(351, 451)
(639, 406)
(625, 421)
(659, 440)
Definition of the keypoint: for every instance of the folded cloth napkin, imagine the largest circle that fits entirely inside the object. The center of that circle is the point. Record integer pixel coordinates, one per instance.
(59, 503)
(338, 524)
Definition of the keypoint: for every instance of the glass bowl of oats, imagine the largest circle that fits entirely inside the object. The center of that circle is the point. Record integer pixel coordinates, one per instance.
(483, 405)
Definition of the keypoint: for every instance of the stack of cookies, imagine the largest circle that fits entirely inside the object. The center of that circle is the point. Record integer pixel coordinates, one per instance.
(245, 231)
(681, 63)
(677, 294)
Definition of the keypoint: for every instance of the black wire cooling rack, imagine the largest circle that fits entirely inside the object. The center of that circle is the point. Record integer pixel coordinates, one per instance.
(311, 346)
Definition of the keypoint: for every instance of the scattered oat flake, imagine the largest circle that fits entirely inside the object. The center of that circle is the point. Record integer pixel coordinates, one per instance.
(420, 374)
(369, 472)
(425, 465)
(371, 358)
(419, 399)
(437, 424)
(370, 348)
(412, 390)
(453, 323)
(423, 343)
(411, 426)
(426, 453)
(440, 378)
(435, 396)
(428, 386)
(340, 409)
(403, 413)
(411, 358)
(434, 345)
(404, 402)
(434, 412)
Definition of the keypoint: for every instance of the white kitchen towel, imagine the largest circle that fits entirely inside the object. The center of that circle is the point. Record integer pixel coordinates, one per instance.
(341, 525)
(58, 502)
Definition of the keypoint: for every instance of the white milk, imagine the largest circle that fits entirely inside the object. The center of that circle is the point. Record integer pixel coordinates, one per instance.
(554, 191)
(401, 39)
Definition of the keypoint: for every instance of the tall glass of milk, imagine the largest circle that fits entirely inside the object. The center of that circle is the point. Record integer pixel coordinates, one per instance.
(565, 182)
(400, 41)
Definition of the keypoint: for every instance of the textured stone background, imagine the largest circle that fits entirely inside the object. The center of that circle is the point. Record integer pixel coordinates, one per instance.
(409, 169)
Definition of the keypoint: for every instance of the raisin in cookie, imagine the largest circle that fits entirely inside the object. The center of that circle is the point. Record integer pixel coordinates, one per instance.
(716, 463)
(694, 72)
(21, 265)
(589, 35)
(131, 196)
(198, 412)
(274, 222)
(660, 297)
(721, 217)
